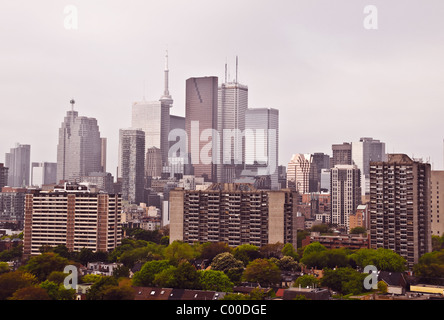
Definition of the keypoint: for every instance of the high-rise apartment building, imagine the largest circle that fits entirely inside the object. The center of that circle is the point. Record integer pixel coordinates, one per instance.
(43, 173)
(365, 151)
(12, 206)
(342, 154)
(79, 150)
(437, 194)
(345, 189)
(73, 216)
(262, 143)
(132, 160)
(400, 206)
(18, 160)
(201, 123)
(301, 173)
(235, 214)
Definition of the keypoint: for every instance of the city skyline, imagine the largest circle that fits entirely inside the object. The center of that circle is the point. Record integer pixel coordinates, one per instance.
(313, 61)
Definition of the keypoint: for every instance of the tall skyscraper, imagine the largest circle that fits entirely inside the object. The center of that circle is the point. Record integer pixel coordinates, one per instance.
(43, 173)
(153, 163)
(365, 151)
(301, 173)
(345, 192)
(342, 154)
(400, 206)
(153, 117)
(18, 160)
(73, 216)
(201, 120)
(232, 106)
(262, 143)
(132, 153)
(79, 148)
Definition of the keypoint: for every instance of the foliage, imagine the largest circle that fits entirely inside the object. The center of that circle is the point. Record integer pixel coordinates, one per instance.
(210, 250)
(382, 259)
(288, 250)
(215, 280)
(57, 291)
(344, 280)
(11, 254)
(313, 247)
(187, 276)
(166, 278)
(145, 277)
(246, 253)
(42, 265)
(357, 230)
(226, 261)
(430, 267)
(13, 281)
(287, 263)
(178, 251)
(30, 293)
(382, 287)
(263, 271)
(325, 258)
(307, 280)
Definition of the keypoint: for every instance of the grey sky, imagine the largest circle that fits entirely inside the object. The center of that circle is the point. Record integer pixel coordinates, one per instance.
(331, 79)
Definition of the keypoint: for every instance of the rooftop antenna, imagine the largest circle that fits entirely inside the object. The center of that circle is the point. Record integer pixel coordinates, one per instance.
(236, 68)
(72, 102)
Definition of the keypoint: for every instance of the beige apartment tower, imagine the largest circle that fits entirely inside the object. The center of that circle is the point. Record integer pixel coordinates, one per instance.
(437, 194)
(74, 216)
(234, 213)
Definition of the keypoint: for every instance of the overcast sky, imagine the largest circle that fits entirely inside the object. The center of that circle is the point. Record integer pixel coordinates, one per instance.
(331, 79)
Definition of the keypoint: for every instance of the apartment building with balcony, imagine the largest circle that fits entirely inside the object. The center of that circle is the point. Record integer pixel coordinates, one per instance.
(74, 216)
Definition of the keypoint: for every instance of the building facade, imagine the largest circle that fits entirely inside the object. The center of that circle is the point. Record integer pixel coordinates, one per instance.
(341, 154)
(201, 123)
(233, 213)
(12, 206)
(301, 173)
(18, 160)
(345, 191)
(73, 216)
(400, 206)
(437, 194)
(132, 160)
(79, 150)
(43, 173)
(3, 175)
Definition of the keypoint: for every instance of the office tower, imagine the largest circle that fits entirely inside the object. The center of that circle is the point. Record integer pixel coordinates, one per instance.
(325, 180)
(153, 163)
(43, 173)
(345, 189)
(79, 147)
(201, 119)
(400, 206)
(12, 206)
(132, 153)
(235, 214)
(262, 143)
(365, 151)
(3, 175)
(321, 161)
(301, 173)
(18, 161)
(73, 216)
(342, 154)
(437, 194)
(153, 117)
(177, 159)
(232, 106)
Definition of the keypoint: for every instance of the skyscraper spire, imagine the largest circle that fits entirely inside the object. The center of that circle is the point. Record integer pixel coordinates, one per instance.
(166, 93)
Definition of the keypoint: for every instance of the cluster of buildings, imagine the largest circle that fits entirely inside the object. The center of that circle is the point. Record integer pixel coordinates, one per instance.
(214, 175)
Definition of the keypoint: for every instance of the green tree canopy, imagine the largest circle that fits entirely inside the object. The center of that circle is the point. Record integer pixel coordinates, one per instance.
(246, 253)
(307, 280)
(215, 280)
(263, 271)
(42, 265)
(430, 267)
(14, 280)
(344, 280)
(226, 261)
(382, 259)
(145, 277)
(313, 247)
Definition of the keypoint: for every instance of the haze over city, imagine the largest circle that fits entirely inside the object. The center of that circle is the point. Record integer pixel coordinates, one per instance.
(332, 80)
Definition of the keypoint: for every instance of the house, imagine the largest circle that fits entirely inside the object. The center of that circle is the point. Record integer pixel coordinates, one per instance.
(101, 268)
(395, 281)
(154, 293)
(308, 293)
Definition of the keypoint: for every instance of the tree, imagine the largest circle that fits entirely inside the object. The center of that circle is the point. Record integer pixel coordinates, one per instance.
(246, 253)
(307, 280)
(145, 276)
(178, 251)
(263, 271)
(382, 287)
(357, 230)
(430, 267)
(313, 247)
(287, 263)
(187, 276)
(344, 280)
(210, 250)
(272, 250)
(42, 265)
(30, 293)
(382, 259)
(326, 259)
(57, 291)
(98, 290)
(288, 250)
(14, 280)
(226, 261)
(215, 281)
(166, 278)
